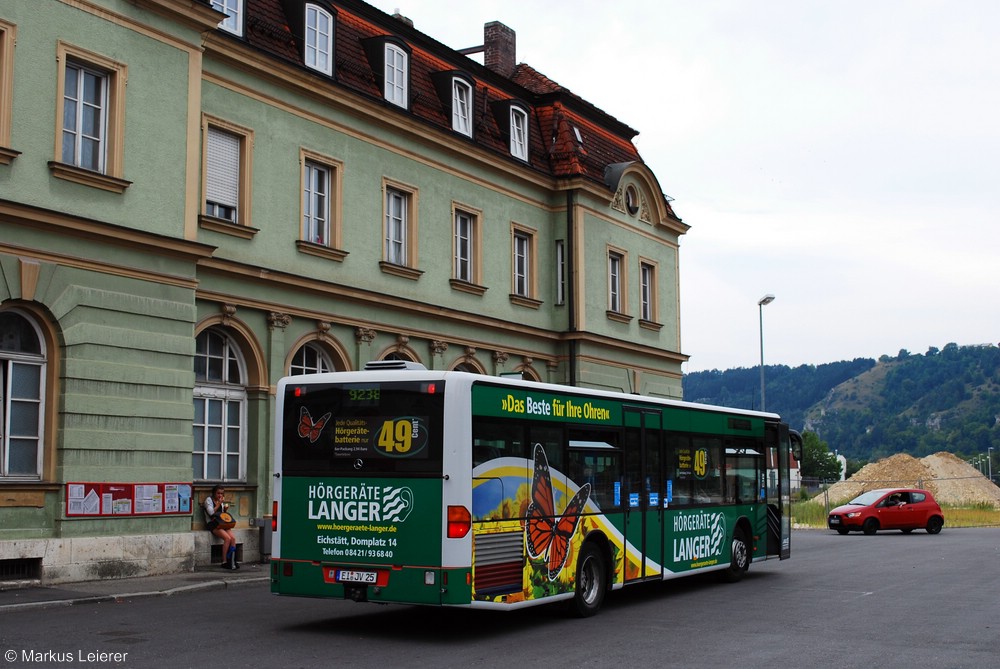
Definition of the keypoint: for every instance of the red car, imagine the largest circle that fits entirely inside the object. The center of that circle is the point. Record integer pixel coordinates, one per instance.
(905, 509)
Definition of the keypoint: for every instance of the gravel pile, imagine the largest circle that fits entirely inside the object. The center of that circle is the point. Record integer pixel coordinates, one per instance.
(950, 479)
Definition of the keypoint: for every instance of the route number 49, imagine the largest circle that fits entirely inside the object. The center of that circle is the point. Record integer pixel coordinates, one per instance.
(700, 462)
(396, 436)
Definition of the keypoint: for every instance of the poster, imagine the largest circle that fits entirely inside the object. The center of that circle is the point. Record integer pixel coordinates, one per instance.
(128, 499)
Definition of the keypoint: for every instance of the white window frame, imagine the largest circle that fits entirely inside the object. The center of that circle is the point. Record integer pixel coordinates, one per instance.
(518, 132)
(227, 161)
(615, 263)
(316, 186)
(465, 245)
(310, 359)
(77, 134)
(461, 106)
(399, 229)
(523, 262)
(319, 39)
(230, 396)
(647, 291)
(233, 22)
(108, 171)
(396, 71)
(397, 208)
(9, 362)
(222, 174)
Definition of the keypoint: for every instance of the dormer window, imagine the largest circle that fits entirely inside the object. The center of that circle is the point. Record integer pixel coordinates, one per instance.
(461, 107)
(396, 75)
(234, 11)
(518, 133)
(389, 59)
(319, 39)
(456, 90)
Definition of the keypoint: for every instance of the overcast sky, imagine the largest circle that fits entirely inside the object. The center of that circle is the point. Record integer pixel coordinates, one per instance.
(842, 155)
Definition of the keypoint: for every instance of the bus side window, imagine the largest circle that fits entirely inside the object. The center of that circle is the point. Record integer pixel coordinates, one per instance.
(599, 464)
(551, 440)
(707, 452)
(496, 440)
(680, 470)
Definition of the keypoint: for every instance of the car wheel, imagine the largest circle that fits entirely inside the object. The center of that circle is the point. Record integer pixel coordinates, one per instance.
(842, 530)
(591, 581)
(870, 526)
(739, 561)
(934, 524)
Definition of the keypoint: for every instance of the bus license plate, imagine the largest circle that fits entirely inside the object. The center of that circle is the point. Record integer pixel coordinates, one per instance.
(357, 576)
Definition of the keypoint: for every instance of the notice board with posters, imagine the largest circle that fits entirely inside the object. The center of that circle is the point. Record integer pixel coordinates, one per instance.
(128, 499)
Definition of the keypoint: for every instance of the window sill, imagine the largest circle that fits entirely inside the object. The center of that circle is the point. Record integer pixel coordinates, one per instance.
(618, 317)
(400, 270)
(21, 493)
(650, 325)
(226, 227)
(88, 177)
(522, 301)
(466, 287)
(7, 156)
(320, 251)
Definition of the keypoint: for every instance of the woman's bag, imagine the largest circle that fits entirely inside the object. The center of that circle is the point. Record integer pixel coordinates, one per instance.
(223, 520)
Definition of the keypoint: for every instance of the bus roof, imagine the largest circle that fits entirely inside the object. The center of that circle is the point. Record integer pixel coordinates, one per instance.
(402, 370)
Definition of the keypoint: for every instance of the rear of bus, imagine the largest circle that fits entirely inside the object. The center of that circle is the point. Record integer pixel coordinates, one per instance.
(363, 507)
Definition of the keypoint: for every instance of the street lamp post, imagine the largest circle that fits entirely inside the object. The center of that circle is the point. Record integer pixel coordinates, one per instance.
(767, 299)
(989, 459)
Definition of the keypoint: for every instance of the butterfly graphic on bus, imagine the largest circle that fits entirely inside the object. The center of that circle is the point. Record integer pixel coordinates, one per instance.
(310, 429)
(547, 535)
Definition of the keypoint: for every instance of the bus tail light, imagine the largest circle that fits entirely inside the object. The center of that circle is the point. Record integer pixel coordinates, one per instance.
(459, 522)
(274, 516)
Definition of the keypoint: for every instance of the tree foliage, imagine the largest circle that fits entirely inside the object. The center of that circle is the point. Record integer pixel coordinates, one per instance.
(945, 400)
(817, 460)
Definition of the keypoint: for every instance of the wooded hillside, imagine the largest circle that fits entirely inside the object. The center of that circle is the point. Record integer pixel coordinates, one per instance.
(943, 400)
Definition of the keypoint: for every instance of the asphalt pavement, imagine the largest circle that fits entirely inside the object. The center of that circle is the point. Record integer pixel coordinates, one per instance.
(110, 590)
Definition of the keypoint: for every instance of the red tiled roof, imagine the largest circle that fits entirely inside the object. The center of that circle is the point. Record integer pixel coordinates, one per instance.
(553, 143)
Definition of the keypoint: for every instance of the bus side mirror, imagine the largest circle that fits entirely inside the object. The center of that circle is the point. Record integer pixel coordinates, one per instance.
(796, 444)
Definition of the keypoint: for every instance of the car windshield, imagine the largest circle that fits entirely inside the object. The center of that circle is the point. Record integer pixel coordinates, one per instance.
(867, 498)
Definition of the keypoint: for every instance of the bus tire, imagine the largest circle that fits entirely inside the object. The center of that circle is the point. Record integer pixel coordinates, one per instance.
(591, 581)
(739, 560)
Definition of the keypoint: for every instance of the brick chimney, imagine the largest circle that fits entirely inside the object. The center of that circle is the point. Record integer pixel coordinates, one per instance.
(500, 44)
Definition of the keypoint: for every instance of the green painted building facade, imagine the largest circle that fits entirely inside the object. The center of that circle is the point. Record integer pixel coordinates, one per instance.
(190, 210)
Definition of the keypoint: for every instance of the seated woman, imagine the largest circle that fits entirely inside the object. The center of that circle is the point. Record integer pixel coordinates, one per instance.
(215, 503)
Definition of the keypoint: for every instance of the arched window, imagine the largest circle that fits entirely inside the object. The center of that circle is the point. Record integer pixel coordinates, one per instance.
(22, 388)
(220, 408)
(319, 39)
(310, 359)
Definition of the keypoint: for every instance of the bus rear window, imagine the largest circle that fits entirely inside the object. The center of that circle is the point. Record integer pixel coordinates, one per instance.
(362, 429)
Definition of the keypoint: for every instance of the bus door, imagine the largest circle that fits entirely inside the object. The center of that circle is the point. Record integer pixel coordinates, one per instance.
(779, 522)
(642, 492)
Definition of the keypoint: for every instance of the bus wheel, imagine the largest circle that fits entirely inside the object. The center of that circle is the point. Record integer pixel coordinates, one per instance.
(740, 559)
(591, 581)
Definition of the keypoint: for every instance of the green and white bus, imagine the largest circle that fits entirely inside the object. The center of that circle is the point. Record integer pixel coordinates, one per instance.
(399, 484)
